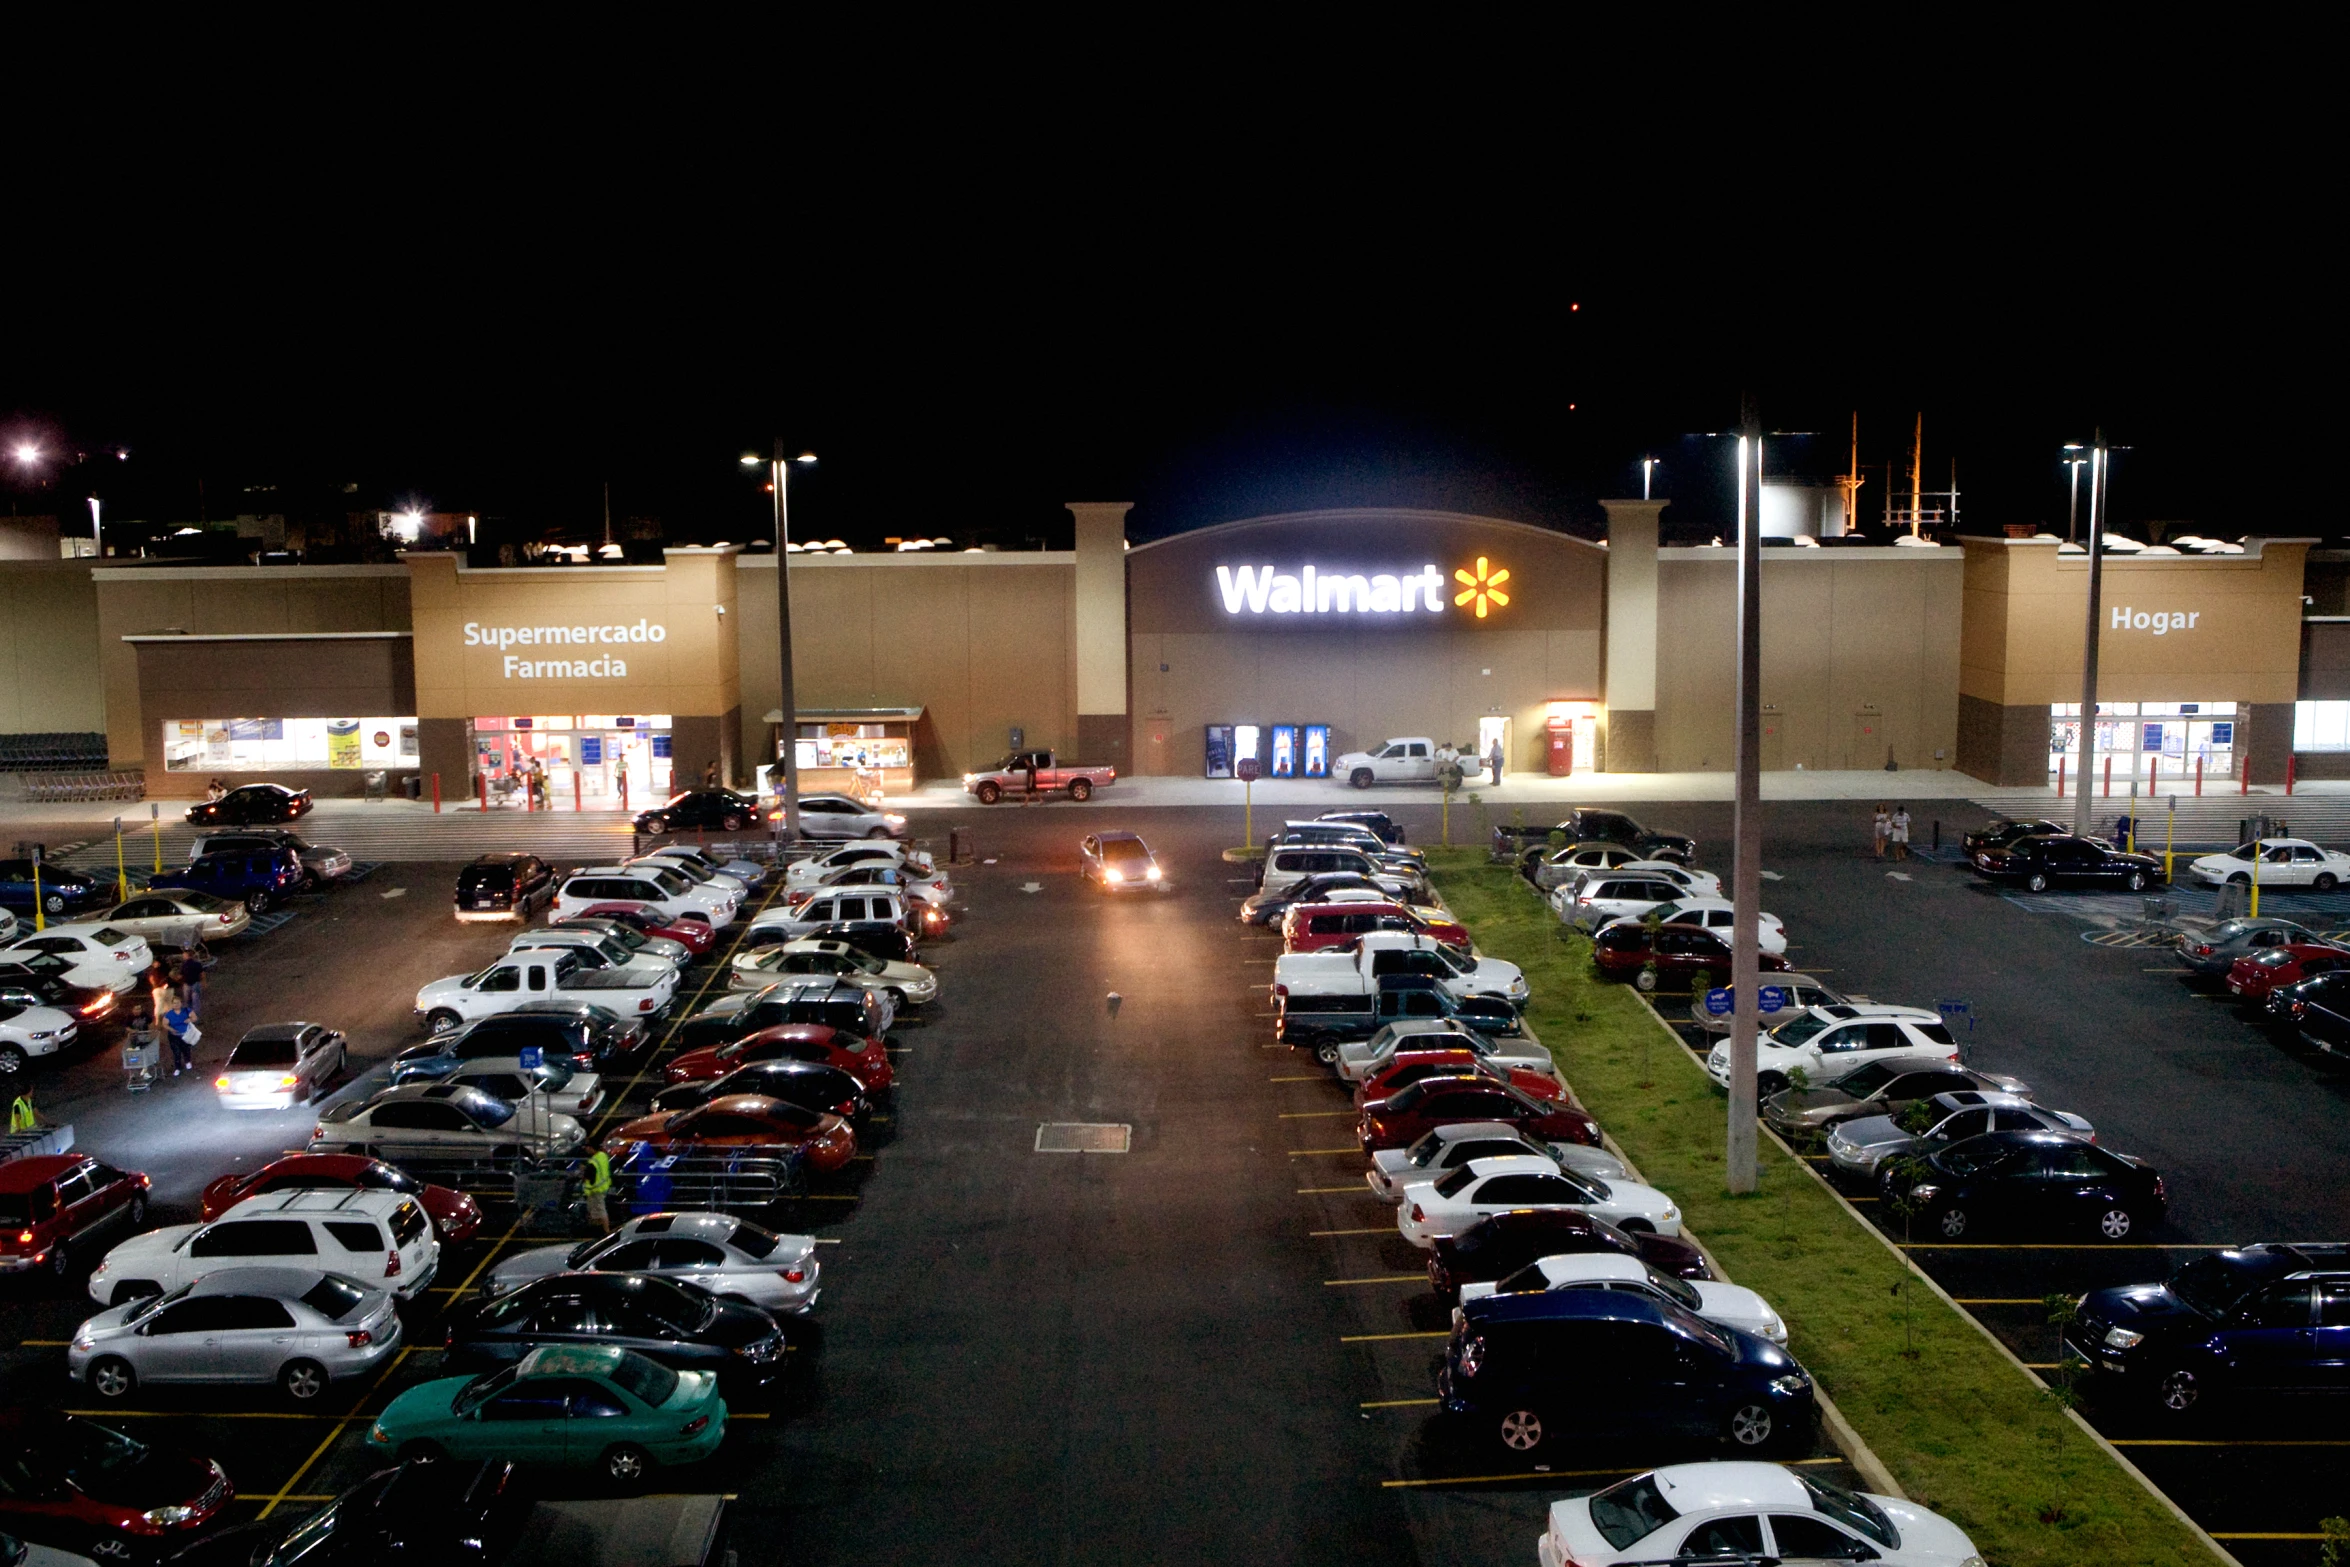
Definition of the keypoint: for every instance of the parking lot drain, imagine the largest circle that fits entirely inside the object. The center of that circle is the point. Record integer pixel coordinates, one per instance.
(1084, 1137)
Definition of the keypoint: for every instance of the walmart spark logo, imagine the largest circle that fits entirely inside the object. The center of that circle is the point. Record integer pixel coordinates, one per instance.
(1481, 587)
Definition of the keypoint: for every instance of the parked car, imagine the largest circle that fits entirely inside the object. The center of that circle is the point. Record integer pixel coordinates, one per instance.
(1432, 1210)
(507, 885)
(876, 938)
(1587, 1363)
(321, 864)
(29, 1030)
(712, 810)
(583, 1039)
(2027, 1181)
(38, 980)
(82, 1486)
(831, 816)
(1327, 829)
(2318, 1010)
(1041, 772)
(1387, 827)
(1286, 865)
(812, 870)
(1362, 1058)
(377, 1238)
(731, 1258)
(257, 878)
(2252, 977)
(1592, 824)
(248, 804)
(851, 1009)
(1718, 914)
(281, 1064)
(1327, 1024)
(517, 978)
(1499, 1245)
(1449, 1147)
(93, 953)
(700, 872)
(2005, 831)
(461, 1515)
(1550, 869)
(544, 1089)
(446, 1124)
(177, 918)
(1411, 759)
(1119, 862)
(2252, 1323)
(455, 1216)
(597, 948)
(54, 1206)
(2216, 951)
(1406, 1116)
(744, 1121)
(812, 1084)
(300, 1328)
(1858, 1149)
(1729, 1305)
(639, 942)
(1379, 954)
(1795, 994)
(1672, 958)
(933, 890)
(1627, 863)
(1323, 927)
(2054, 860)
(849, 905)
(746, 873)
(1596, 902)
(860, 1055)
(1406, 1067)
(2284, 862)
(1716, 1513)
(1885, 1086)
(591, 1406)
(695, 936)
(680, 1326)
(62, 889)
(1266, 906)
(902, 984)
(647, 882)
(1827, 1042)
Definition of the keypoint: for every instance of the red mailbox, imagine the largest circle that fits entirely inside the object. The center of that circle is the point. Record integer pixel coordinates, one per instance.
(1562, 747)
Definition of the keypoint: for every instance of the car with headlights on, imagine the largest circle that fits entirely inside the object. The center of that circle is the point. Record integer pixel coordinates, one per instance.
(93, 953)
(455, 1216)
(2064, 860)
(1499, 1245)
(2255, 976)
(1404, 1117)
(1433, 1210)
(1359, 1059)
(1829, 1041)
(1717, 1512)
(755, 1122)
(1536, 1369)
(1858, 1149)
(2281, 862)
(249, 804)
(863, 1058)
(674, 1324)
(730, 1258)
(178, 918)
(2215, 952)
(281, 1064)
(380, 1239)
(300, 1328)
(1449, 1147)
(588, 1406)
(1730, 1305)
(82, 1486)
(2026, 1182)
(2250, 1323)
(54, 1206)
(904, 984)
(1119, 862)
(1887, 1086)
(445, 1125)
(29, 1030)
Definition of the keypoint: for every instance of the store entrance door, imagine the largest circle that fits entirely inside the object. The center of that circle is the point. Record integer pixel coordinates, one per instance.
(1490, 728)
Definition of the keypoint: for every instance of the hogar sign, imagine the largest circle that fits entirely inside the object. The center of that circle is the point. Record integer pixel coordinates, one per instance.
(2160, 622)
(608, 666)
(1260, 590)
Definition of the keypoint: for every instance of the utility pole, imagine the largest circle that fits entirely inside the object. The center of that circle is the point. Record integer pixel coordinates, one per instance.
(1746, 829)
(607, 511)
(786, 702)
(1917, 454)
(2088, 730)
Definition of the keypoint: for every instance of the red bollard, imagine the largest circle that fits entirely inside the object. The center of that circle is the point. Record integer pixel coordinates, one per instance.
(575, 789)
(436, 794)
(2060, 761)
(2109, 778)
(2244, 772)
(2289, 761)
(2199, 778)
(481, 783)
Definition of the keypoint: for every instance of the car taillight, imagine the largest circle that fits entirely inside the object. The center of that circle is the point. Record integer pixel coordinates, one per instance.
(221, 1082)
(122, 957)
(102, 1004)
(318, 1132)
(2161, 1192)
(360, 1338)
(1417, 1215)
(794, 1274)
(24, 1237)
(228, 918)
(845, 1107)
(693, 1425)
(392, 1263)
(646, 1005)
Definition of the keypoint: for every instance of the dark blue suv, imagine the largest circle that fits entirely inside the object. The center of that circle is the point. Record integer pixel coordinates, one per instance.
(254, 877)
(2262, 1320)
(1534, 1370)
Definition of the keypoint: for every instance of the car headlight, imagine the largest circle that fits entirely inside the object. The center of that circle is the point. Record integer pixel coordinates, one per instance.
(1152, 874)
(377, 1433)
(165, 1517)
(1113, 876)
(1791, 1384)
(1775, 1330)
(2123, 1338)
(1671, 1213)
(1924, 1193)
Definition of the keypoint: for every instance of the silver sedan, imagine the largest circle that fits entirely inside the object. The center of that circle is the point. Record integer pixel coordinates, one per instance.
(297, 1327)
(553, 1087)
(1857, 1150)
(731, 1258)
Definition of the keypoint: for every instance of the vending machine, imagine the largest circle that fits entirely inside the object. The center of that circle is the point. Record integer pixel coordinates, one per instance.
(1317, 751)
(1219, 750)
(1561, 751)
(1284, 751)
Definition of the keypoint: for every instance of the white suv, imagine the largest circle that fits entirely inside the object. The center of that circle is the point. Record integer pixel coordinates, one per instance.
(1612, 895)
(663, 887)
(381, 1239)
(1829, 1041)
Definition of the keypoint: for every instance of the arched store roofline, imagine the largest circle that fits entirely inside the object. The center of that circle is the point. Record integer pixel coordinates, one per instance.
(1368, 514)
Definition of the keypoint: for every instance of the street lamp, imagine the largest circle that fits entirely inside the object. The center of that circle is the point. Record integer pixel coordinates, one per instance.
(2072, 511)
(1647, 470)
(779, 470)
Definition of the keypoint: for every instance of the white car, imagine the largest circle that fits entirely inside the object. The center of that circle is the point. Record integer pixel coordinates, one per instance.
(597, 949)
(875, 851)
(550, 1089)
(732, 1258)
(1448, 1147)
(27, 1032)
(11, 927)
(839, 816)
(906, 984)
(1828, 1042)
(2284, 862)
(662, 887)
(1716, 914)
(748, 872)
(437, 1122)
(931, 888)
(1598, 900)
(279, 1065)
(1439, 1210)
(1361, 1059)
(380, 1239)
(175, 917)
(1693, 884)
(1709, 1512)
(95, 953)
(1728, 1304)
(700, 872)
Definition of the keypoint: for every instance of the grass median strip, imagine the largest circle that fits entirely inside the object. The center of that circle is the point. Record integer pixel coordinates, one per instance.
(1963, 1431)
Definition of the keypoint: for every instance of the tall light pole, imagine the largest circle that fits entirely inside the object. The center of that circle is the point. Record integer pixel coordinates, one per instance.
(1746, 823)
(2072, 509)
(1647, 471)
(779, 470)
(2098, 459)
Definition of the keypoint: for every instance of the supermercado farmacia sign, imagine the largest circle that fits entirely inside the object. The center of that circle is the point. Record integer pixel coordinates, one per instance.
(604, 665)
(1310, 590)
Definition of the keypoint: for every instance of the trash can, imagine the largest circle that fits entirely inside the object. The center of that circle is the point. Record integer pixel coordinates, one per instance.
(958, 847)
(414, 785)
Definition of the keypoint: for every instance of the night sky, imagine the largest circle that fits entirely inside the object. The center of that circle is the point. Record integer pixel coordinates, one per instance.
(1276, 318)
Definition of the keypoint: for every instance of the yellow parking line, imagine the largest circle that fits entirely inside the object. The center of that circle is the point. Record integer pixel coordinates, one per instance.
(1317, 1115)
(198, 1414)
(1381, 1338)
(1316, 1191)
(1301, 1153)
(1384, 1278)
(43, 1343)
(829, 1197)
(1384, 1229)
(1398, 1403)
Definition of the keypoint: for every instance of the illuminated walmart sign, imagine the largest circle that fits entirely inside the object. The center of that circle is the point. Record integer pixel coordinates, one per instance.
(1260, 590)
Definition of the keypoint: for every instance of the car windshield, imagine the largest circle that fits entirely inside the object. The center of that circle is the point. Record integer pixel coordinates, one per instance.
(647, 1380)
(1804, 1028)
(1852, 1510)
(1125, 849)
(149, 1305)
(90, 1454)
(1453, 960)
(333, 1297)
(312, 1540)
(263, 1052)
(1424, 1151)
(2212, 1285)
(670, 882)
(481, 1390)
(1681, 1292)
(1630, 1512)
(2242, 851)
(1861, 1080)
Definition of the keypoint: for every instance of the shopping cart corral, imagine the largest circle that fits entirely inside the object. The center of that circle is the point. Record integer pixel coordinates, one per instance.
(749, 1179)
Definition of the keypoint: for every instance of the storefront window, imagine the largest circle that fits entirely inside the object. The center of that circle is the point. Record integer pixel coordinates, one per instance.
(853, 745)
(2147, 741)
(2321, 726)
(265, 745)
(599, 759)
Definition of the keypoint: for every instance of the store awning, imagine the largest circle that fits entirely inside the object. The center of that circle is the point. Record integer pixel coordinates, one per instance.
(849, 715)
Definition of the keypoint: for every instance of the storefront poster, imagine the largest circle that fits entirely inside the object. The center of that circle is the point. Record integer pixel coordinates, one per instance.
(342, 744)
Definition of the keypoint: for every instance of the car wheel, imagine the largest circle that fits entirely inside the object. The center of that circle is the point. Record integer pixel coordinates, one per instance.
(2179, 1391)
(2036, 882)
(441, 1022)
(1952, 1224)
(1645, 980)
(1636, 1227)
(138, 1209)
(60, 1261)
(2137, 881)
(1520, 1430)
(1080, 789)
(111, 1377)
(53, 903)
(1750, 1427)
(1769, 1083)
(1361, 778)
(2325, 881)
(134, 1289)
(110, 1548)
(1326, 1052)
(12, 1060)
(303, 1380)
(897, 998)
(989, 792)
(422, 1452)
(2239, 880)
(732, 823)
(257, 904)
(878, 832)
(310, 882)
(2114, 1224)
(625, 1463)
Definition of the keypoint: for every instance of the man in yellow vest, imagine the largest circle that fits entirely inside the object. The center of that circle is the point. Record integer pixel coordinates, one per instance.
(22, 1117)
(597, 1187)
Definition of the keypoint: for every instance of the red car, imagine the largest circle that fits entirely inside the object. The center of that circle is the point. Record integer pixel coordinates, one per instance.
(1315, 927)
(2253, 976)
(1680, 953)
(454, 1215)
(695, 936)
(54, 1204)
(743, 1121)
(1406, 1067)
(866, 1060)
(85, 1487)
(1404, 1117)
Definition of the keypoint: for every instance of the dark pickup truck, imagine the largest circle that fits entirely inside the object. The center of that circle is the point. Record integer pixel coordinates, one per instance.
(1513, 843)
(1323, 1023)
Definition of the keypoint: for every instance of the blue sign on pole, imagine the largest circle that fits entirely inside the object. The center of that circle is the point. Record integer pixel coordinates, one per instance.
(1717, 1001)
(529, 1056)
(1771, 998)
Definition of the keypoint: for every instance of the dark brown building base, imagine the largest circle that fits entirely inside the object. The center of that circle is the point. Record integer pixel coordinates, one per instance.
(1631, 741)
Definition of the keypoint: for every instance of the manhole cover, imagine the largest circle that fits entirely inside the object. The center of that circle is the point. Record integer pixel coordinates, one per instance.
(1083, 1137)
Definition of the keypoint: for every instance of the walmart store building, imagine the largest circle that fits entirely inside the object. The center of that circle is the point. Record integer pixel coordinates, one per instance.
(1293, 638)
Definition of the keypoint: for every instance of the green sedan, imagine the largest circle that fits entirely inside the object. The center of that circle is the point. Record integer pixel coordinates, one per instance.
(590, 1405)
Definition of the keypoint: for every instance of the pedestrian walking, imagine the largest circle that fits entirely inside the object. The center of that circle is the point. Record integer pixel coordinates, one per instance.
(1882, 830)
(173, 1019)
(1900, 832)
(710, 776)
(1493, 760)
(159, 980)
(597, 1190)
(22, 1117)
(191, 977)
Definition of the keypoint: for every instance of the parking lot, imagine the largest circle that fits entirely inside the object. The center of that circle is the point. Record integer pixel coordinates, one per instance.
(1216, 1342)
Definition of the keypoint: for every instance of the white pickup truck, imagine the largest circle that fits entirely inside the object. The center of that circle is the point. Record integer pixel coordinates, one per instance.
(1384, 952)
(1411, 759)
(519, 978)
